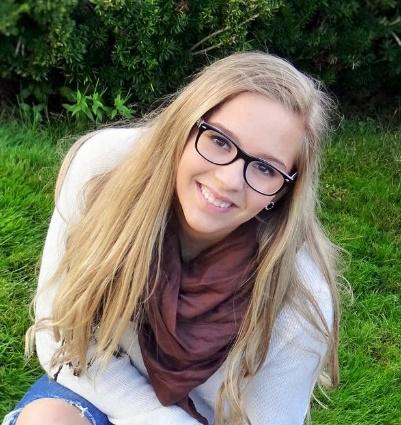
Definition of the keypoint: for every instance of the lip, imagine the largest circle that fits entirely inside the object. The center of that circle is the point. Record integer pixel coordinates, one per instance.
(217, 196)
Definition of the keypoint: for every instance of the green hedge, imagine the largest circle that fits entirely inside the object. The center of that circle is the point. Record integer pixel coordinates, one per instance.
(146, 48)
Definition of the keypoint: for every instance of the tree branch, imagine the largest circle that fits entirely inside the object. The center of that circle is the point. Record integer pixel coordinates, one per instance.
(217, 33)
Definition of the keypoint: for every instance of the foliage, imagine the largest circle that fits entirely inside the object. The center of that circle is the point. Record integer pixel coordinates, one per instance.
(149, 47)
(92, 107)
(353, 45)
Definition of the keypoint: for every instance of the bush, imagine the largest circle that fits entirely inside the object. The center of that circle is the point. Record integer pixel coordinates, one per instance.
(354, 45)
(146, 48)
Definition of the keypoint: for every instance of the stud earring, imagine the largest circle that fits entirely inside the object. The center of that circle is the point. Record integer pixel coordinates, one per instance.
(270, 206)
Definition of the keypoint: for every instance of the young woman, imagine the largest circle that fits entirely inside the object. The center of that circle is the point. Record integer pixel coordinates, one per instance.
(185, 277)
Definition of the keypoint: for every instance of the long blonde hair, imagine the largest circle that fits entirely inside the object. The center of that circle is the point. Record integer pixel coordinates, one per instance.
(104, 272)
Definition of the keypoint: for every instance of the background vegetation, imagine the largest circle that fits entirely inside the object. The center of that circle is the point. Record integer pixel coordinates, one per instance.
(142, 49)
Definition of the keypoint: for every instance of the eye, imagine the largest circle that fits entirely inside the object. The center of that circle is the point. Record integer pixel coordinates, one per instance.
(220, 142)
(264, 169)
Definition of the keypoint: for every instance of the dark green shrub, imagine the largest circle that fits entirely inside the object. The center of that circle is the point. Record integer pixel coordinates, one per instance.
(353, 45)
(147, 48)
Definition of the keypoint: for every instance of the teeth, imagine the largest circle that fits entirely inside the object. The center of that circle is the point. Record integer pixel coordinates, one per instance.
(212, 200)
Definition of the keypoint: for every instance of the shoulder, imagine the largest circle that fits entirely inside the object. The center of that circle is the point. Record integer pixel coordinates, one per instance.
(101, 150)
(93, 154)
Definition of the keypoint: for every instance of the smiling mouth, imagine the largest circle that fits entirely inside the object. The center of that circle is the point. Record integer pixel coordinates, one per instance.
(211, 198)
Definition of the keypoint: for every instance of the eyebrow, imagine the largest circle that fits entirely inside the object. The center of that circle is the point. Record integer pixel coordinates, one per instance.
(235, 138)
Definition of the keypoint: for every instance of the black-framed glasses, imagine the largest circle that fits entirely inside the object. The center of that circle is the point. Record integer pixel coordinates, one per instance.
(216, 147)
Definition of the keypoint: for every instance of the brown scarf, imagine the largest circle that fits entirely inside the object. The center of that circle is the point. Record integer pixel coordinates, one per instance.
(195, 312)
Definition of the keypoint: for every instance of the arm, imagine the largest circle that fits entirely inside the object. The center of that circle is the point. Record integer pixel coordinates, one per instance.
(280, 393)
(119, 390)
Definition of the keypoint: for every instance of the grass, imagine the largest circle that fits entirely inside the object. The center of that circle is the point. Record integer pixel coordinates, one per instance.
(360, 207)
(28, 163)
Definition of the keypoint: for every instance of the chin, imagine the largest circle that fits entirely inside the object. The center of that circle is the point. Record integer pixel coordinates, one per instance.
(202, 227)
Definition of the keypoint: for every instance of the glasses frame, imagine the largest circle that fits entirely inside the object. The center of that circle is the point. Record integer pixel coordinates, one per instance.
(203, 126)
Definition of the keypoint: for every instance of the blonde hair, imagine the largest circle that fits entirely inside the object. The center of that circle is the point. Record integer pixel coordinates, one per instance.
(104, 272)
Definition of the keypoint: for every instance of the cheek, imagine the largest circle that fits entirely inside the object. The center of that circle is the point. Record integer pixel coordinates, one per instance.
(187, 167)
(256, 202)
(184, 163)
(191, 164)
(180, 178)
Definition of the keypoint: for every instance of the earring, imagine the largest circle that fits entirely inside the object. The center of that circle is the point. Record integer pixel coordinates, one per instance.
(270, 206)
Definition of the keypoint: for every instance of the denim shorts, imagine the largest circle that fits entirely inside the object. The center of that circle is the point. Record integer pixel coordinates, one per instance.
(46, 387)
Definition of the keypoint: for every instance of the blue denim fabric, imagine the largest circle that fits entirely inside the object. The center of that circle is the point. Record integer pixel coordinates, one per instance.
(46, 387)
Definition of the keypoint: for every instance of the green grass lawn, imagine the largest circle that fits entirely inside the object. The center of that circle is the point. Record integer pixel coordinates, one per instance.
(361, 209)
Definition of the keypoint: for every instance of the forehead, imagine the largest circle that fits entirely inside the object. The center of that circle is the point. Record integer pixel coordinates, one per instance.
(261, 126)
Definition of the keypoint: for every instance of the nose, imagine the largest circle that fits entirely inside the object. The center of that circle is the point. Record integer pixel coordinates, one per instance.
(231, 177)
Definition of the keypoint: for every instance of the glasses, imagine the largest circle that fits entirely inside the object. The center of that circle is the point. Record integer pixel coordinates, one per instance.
(214, 146)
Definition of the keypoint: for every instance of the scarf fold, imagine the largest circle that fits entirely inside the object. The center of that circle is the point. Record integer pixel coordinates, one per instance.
(195, 312)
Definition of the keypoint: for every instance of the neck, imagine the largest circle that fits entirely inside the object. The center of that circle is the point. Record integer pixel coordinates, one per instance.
(191, 242)
(192, 246)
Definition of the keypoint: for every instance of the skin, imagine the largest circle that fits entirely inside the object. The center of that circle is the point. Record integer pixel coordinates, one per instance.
(261, 127)
(51, 412)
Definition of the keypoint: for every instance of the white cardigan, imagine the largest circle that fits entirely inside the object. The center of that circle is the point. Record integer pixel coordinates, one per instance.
(278, 395)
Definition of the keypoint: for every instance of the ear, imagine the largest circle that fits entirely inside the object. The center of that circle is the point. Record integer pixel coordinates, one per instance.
(276, 200)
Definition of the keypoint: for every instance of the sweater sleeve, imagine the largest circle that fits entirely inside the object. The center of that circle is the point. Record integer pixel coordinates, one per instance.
(119, 390)
(280, 393)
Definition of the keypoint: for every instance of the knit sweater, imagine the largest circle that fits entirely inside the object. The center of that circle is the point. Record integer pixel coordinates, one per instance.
(278, 395)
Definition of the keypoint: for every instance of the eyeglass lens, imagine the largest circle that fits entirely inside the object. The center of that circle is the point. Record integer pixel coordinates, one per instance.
(219, 150)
